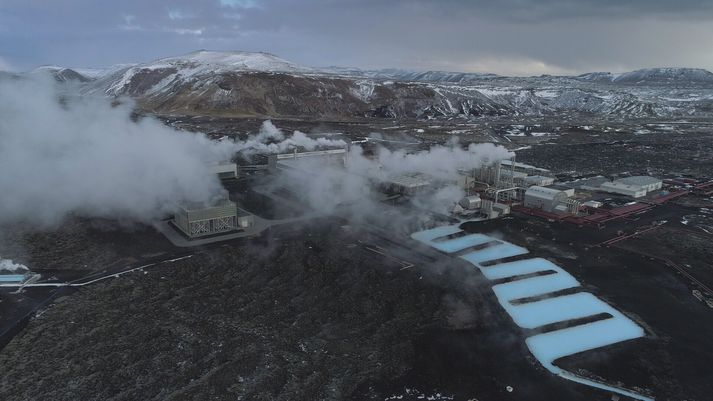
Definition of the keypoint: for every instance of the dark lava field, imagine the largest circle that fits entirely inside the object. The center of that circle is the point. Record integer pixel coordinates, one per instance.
(324, 310)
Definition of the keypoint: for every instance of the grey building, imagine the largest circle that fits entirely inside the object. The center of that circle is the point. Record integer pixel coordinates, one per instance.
(226, 170)
(539, 180)
(645, 182)
(406, 184)
(544, 198)
(199, 220)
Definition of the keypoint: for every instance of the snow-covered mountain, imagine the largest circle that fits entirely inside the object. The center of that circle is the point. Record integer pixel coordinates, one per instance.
(203, 61)
(61, 74)
(409, 75)
(261, 84)
(654, 76)
(139, 79)
(666, 76)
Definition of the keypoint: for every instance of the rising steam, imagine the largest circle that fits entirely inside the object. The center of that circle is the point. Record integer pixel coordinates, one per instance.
(62, 154)
(351, 190)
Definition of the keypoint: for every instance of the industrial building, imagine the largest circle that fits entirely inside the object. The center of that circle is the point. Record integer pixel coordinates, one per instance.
(648, 183)
(569, 191)
(544, 198)
(524, 168)
(593, 204)
(470, 202)
(338, 155)
(226, 170)
(199, 220)
(539, 180)
(614, 187)
(493, 209)
(406, 184)
(636, 186)
(588, 184)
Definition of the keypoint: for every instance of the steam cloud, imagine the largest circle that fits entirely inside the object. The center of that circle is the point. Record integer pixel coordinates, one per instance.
(351, 191)
(270, 139)
(7, 265)
(62, 154)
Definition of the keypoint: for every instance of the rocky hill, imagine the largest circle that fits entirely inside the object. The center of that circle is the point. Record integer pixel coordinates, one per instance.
(264, 85)
(655, 76)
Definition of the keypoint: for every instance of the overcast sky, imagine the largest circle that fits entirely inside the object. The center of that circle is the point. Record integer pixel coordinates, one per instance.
(509, 37)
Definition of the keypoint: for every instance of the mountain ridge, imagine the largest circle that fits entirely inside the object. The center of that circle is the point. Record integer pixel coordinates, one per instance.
(262, 84)
(268, 62)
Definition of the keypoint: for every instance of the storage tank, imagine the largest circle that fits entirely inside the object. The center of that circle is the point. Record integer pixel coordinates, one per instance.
(470, 202)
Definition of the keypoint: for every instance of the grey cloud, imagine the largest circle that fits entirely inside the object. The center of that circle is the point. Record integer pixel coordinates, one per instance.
(510, 36)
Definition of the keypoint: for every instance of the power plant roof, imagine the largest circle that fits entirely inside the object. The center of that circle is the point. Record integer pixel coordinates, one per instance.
(639, 180)
(544, 192)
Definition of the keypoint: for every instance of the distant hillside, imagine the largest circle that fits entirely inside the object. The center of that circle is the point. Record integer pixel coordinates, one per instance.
(262, 84)
(654, 76)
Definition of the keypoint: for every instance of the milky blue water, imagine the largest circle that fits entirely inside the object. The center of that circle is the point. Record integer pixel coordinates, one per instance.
(546, 347)
(534, 286)
(430, 235)
(499, 251)
(550, 346)
(517, 268)
(592, 383)
(458, 244)
(11, 278)
(554, 310)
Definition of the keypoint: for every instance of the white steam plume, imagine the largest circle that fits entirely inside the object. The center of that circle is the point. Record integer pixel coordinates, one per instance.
(270, 139)
(7, 265)
(350, 190)
(62, 155)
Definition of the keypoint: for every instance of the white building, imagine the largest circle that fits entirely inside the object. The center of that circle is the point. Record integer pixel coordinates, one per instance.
(645, 182)
(492, 209)
(543, 198)
(522, 167)
(593, 204)
(615, 187)
(338, 155)
(226, 170)
(568, 190)
(470, 202)
(539, 180)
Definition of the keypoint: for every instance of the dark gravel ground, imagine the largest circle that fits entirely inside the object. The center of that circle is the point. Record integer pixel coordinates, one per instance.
(292, 319)
(671, 361)
(80, 244)
(308, 314)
